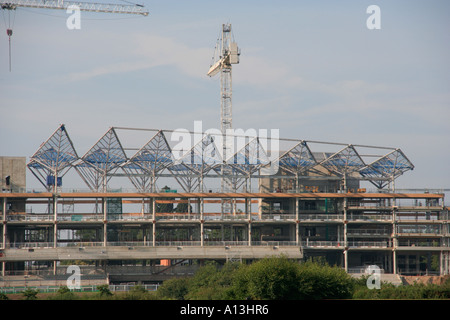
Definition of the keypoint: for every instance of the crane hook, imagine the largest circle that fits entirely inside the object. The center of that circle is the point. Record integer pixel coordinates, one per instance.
(9, 32)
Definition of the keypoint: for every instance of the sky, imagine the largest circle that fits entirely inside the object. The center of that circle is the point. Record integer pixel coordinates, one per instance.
(312, 69)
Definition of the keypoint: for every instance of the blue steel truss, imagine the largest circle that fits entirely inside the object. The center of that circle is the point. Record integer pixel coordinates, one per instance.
(155, 159)
(103, 159)
(53, 158)
(389, 167)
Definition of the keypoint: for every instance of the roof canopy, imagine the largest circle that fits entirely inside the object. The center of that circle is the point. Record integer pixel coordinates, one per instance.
(155, 158)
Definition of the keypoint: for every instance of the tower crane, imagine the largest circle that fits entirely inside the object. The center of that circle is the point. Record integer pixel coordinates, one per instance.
(64, 5)
(226, 54)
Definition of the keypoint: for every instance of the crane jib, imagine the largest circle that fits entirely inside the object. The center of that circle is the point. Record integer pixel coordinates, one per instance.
(83, 6)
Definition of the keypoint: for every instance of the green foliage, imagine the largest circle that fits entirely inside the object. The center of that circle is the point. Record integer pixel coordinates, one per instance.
(406, 292)
(174, 289)
(274, 278)
(139, 293)
(3, 296)
(211, 282)
(321, 281)
(63, 293)
(30, 294)
(270, 278)
(279, 278)
(103, 291)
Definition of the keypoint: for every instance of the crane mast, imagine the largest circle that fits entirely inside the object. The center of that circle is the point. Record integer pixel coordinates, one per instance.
(226, 54)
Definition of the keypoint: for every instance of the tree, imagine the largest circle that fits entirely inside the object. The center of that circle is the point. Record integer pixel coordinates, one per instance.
(175, 289)
(278, 278)
(274, 278)
(211, 282)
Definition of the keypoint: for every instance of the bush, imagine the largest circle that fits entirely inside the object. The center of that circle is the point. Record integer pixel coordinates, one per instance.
(103, 291)
(270, 279)
(211, 282)
(30, 294)
(279, 278)
(321, 281)
(139, 293)
(3, 296)
(63, 293)
(174, 289)
(407, 292)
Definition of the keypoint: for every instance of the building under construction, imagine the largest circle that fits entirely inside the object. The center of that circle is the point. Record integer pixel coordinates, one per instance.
(145, 209)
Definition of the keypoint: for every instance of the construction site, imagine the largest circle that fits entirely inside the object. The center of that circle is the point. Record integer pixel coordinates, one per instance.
(139, 207)
(315, 205)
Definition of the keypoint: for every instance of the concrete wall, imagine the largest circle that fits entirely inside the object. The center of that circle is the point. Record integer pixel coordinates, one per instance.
(15, 167)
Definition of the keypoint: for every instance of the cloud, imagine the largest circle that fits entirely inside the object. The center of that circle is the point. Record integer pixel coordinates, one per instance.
(145, 51)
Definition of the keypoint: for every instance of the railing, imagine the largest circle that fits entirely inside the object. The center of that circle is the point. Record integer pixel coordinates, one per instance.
(369, 217)
(419, 229)
(369, 244)
(23, 217)
(128, 287)
(273, 217)
(368, 232)
(409, 243)
(274, 243)
(225, 217)
(177, 217)
(419, 217)
(206, 243)
(149, 217)
(212, 243)
(321, 217)
(317, 243)
(89, 288)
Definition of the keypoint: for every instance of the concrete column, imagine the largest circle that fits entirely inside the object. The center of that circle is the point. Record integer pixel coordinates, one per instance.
(249, 232)
(200, 203)
(55, 221)
(4, 233)
(4, 223)
(394, 261)
(297, 227)
(345, 235)
(153, 202)
(105, 221)
(5, 200)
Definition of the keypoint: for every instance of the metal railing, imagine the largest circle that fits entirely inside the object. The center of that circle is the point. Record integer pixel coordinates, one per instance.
(320, 243)
(321, 217)
(273, 217)
(368, 232)
(369, 217)
(369, 244)
(88, 288)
